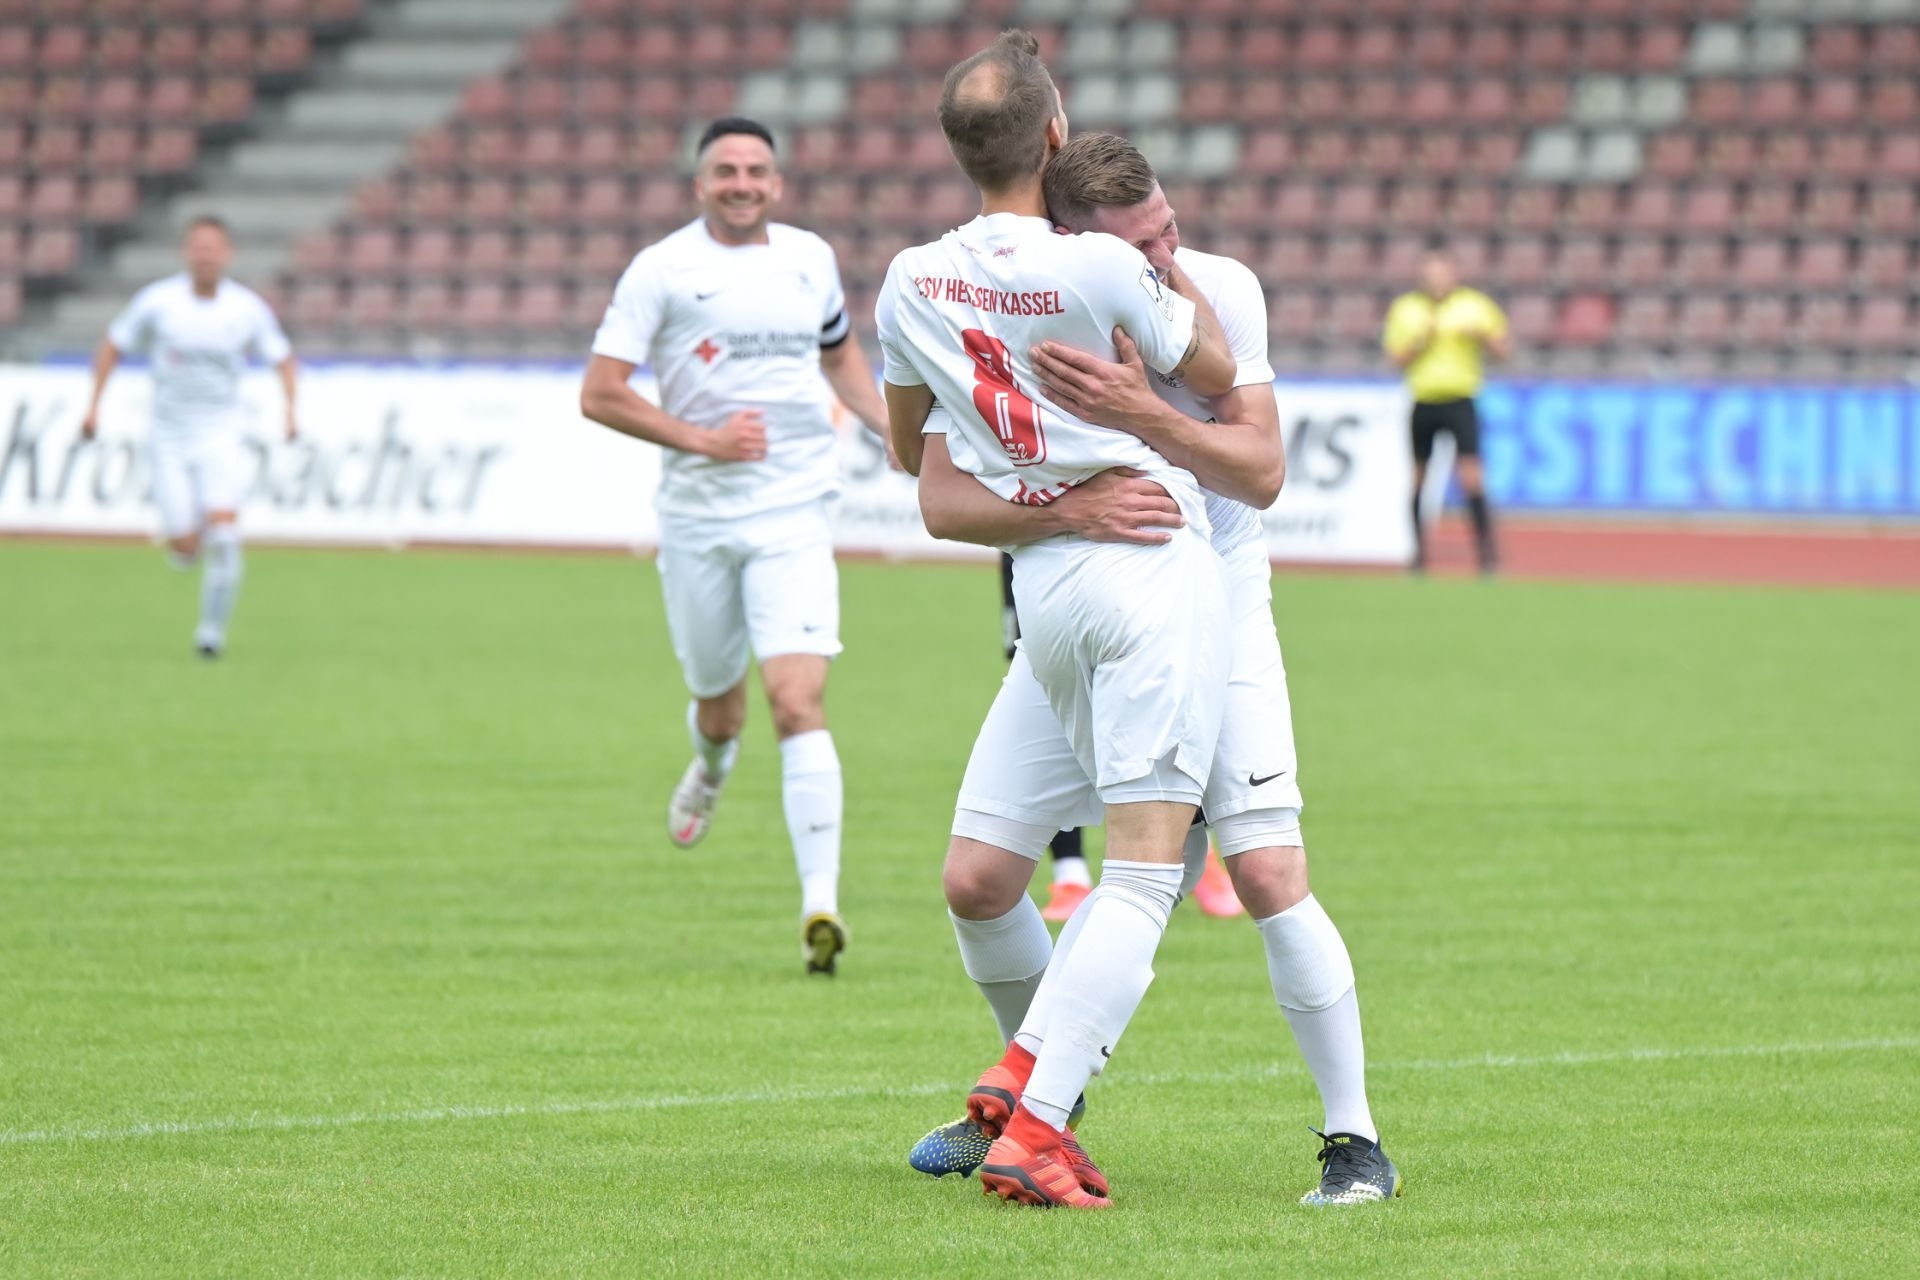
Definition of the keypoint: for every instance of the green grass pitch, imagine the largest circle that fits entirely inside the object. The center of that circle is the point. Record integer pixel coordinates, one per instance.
(363, 953)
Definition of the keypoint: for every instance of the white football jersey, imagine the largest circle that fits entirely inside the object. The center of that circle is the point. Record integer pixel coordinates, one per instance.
(961, 314)
(1241, 305)
(732, 327)
(198, 346)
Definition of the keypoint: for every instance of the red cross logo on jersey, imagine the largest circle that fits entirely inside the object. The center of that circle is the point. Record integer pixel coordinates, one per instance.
(706, 350)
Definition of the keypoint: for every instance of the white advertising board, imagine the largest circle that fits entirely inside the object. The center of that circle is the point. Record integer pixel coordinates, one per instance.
(478, 454)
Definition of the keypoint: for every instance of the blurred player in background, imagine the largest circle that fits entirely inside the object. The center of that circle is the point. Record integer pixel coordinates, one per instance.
(1123, 638)
(739, 317)
(1440, 334)
(199, 328)
(1023, 758)
(1071, 881)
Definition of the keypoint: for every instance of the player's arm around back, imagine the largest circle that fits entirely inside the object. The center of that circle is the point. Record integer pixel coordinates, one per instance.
(1114, 506)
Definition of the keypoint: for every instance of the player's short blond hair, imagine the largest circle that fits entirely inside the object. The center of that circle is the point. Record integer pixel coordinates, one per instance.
(994, 108)
(1096, 170)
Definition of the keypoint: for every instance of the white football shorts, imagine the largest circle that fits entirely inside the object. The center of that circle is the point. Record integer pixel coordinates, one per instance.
(764, 584)
(197, 471)
(1024, 782)
(1121, 640)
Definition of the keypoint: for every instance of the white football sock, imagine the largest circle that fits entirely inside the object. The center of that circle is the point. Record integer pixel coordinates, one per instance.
(1101, 982)
(1071, 871)
(220, 576)
(716, 758)
(811, 789)
(1313, 981)
(1193, 858)
(1006, 959)
(1033, 1027)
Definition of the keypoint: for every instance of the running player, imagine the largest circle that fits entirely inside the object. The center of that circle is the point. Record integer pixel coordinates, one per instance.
(739, 316)
(1101, 183)
(1119, 635)
(199, 328)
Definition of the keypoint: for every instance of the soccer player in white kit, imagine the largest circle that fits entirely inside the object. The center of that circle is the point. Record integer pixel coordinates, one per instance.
(740, 317)
(199, 328)
(1122, 637)
(1023, 764)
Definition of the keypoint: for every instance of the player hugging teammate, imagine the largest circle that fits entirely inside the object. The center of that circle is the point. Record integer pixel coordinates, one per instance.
(1080, 441)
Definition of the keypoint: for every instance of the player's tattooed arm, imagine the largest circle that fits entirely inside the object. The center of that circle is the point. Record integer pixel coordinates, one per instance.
(1209, 366)
(606, 398)
(907, 410)
(1240, 454)
(1115, 506)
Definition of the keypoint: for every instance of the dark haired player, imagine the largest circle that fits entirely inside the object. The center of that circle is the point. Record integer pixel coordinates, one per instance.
(739, 317)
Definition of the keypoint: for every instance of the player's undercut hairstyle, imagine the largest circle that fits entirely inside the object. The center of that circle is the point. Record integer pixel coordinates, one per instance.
(213, 220)
(994, 108)
(726, 126)
(1094, 171)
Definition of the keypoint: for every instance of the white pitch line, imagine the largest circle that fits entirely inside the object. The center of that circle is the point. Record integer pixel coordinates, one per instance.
(755, 1097)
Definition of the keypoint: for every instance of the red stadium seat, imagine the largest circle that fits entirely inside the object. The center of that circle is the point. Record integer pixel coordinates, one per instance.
(1762, 322)
(1583, 263)
(1886, 264)
(1348, 260)
(1891, 209)
(1884, 323)
(1822, 264)
(429, 253)
(1521, 262)
(1704, 320)
(1642, 262)
(1760, 263)
(1533, 208)
(1585, 321)
(1701, 263)
(1709, 208)
(1647, 318)
(1530, 316)
(1822, 321)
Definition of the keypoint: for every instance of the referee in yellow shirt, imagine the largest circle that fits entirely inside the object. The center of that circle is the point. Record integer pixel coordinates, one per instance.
(1439, 334)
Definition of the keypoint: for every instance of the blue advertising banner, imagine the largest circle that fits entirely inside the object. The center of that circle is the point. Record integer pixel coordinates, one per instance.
(1760, 450)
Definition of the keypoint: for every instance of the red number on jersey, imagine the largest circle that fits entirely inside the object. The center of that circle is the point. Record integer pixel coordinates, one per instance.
(1014, 417)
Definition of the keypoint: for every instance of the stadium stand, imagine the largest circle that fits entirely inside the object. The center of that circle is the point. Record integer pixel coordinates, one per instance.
(1655, 187)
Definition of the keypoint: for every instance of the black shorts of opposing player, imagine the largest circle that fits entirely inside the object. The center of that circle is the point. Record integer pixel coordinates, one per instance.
(1457, 418)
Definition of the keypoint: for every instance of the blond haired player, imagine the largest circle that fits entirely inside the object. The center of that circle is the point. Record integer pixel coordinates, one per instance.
(199, 329)
(739, 317)
(1123, 637)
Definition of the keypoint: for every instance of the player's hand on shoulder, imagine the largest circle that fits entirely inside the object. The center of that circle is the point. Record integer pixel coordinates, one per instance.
(1120, 505)
(1109, 393)
(741, 438)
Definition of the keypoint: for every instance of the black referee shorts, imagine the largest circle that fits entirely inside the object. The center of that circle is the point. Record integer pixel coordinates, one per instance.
(1458, 418)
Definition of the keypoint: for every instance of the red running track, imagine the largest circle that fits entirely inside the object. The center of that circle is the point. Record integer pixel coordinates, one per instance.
(1612, 551)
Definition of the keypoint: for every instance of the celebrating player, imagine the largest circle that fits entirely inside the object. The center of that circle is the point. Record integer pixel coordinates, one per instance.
(1121, 636)
(199, 328)
(739, 317)
(1101, 183)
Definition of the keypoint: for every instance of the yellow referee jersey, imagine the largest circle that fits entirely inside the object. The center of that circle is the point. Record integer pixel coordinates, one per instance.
(1450, 367)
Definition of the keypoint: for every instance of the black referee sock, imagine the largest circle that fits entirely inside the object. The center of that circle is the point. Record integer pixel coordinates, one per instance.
(1419, 537)
(1482, 527)
(1066, 844)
